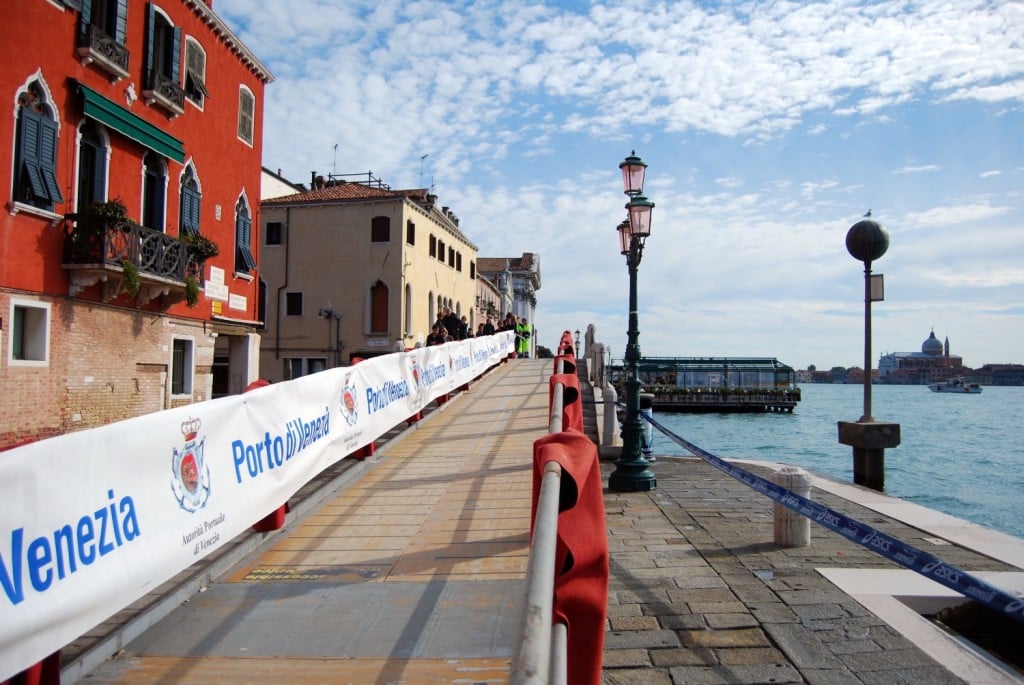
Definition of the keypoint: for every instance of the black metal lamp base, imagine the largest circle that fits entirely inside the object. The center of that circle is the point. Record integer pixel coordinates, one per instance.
(632, 476)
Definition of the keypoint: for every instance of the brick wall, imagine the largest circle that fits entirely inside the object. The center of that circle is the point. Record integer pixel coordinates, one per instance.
(106, 364)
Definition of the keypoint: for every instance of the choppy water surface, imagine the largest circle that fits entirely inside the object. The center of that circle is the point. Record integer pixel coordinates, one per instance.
(962, 455)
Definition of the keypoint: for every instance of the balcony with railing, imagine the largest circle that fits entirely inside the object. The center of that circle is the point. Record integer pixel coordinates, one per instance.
(96, 46)
(159, 89)
(129, 258)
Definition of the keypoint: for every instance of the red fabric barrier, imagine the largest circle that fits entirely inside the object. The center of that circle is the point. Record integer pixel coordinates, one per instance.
(568, 363)
(572, 405)
(581, 554)
(365, 451)
(565, 345)
(415, 418)
(275, 519)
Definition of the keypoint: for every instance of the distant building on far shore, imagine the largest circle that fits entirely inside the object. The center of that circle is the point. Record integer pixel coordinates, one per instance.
(932, 364)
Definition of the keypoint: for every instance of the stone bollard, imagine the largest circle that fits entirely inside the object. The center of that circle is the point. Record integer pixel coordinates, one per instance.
(791, 528)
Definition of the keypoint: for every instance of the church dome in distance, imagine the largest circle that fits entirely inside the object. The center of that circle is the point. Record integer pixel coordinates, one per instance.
(932, 346)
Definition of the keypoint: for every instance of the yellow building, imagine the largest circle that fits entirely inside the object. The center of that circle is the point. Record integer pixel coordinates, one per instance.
(356, 269)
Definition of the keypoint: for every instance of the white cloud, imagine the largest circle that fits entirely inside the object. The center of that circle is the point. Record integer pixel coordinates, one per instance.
(924, 168)
(526, 108)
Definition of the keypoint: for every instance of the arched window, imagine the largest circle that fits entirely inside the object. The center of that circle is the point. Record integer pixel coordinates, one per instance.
(379, 308)
(380, 229)
(191, 195)
(35, 150)
(244, 261)
(154, 191)
(92, 164)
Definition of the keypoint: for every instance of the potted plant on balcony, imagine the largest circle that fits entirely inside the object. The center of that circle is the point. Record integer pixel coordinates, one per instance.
(86, 238)
(201, 247)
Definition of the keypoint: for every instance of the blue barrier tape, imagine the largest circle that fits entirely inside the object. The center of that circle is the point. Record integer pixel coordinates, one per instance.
(864, 535)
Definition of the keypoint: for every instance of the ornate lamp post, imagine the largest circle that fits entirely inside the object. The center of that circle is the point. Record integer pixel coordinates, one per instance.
(577, 341)
(632, 472)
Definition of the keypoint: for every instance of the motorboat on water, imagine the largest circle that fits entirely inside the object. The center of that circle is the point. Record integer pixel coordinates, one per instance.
(956, 385)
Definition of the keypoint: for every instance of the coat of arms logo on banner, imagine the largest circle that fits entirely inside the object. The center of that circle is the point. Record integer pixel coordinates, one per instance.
(417, 394)
(349, 404)
(190, 480)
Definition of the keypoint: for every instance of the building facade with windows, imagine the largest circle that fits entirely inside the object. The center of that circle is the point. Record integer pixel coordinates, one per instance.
(518, 280)
(356, 269)
(128, 270)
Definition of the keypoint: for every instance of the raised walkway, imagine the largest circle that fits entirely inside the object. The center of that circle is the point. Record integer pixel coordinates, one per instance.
(409, 568)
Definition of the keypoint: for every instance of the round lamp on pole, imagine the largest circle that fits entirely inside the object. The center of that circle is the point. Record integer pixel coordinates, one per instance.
(867, 241)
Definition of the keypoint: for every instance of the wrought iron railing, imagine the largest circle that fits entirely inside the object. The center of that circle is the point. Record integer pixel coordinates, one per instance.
(94, 241)
(164, 89)
(95, 42)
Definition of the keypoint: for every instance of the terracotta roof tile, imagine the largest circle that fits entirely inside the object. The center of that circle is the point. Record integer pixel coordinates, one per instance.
(491, 264)
(341, 192)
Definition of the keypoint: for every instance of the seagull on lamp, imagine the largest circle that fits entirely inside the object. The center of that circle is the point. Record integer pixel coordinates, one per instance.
(867, 214)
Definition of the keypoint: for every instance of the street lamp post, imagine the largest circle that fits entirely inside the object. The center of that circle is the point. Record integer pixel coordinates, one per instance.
(577, 341)
(867, 241)
(632, 472)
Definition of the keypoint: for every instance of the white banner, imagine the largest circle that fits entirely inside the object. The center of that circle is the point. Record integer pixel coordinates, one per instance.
(91, 521)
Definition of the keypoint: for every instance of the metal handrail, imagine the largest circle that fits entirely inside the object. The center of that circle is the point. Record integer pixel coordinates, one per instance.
(541, 656)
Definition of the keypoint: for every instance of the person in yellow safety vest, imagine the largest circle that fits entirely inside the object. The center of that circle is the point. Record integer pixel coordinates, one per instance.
(523, 339)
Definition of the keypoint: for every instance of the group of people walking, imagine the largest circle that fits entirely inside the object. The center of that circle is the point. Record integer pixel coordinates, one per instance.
(449, 326)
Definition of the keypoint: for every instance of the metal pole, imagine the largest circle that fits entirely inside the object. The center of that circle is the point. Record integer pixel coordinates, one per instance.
(631, 472)
(533, 656)
(867, 343)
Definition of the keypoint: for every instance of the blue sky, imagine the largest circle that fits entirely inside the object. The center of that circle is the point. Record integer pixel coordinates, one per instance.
(769, 129)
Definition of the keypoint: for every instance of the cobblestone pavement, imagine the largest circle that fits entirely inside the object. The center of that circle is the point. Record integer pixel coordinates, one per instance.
(699, 593)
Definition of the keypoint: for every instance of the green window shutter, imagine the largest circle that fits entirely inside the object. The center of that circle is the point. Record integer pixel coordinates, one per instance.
(48, 158)
(30, 124)
(245, 260)
(85, 17)
(175, 57)
(190, 209)
(150, 36)
(121, 25)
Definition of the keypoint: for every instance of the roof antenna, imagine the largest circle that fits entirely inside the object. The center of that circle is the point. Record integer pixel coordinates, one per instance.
(334, 164)
(421, 168)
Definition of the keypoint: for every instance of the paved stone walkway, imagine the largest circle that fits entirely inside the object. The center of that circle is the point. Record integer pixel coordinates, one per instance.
(409, 570)
(699, 593)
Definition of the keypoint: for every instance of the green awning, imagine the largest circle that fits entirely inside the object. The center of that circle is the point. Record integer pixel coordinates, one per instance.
(111, 114)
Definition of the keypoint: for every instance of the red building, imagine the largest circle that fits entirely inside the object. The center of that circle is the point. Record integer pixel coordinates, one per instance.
(130, 153)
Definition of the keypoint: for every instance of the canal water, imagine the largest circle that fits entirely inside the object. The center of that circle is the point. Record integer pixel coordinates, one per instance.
(960, 454)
